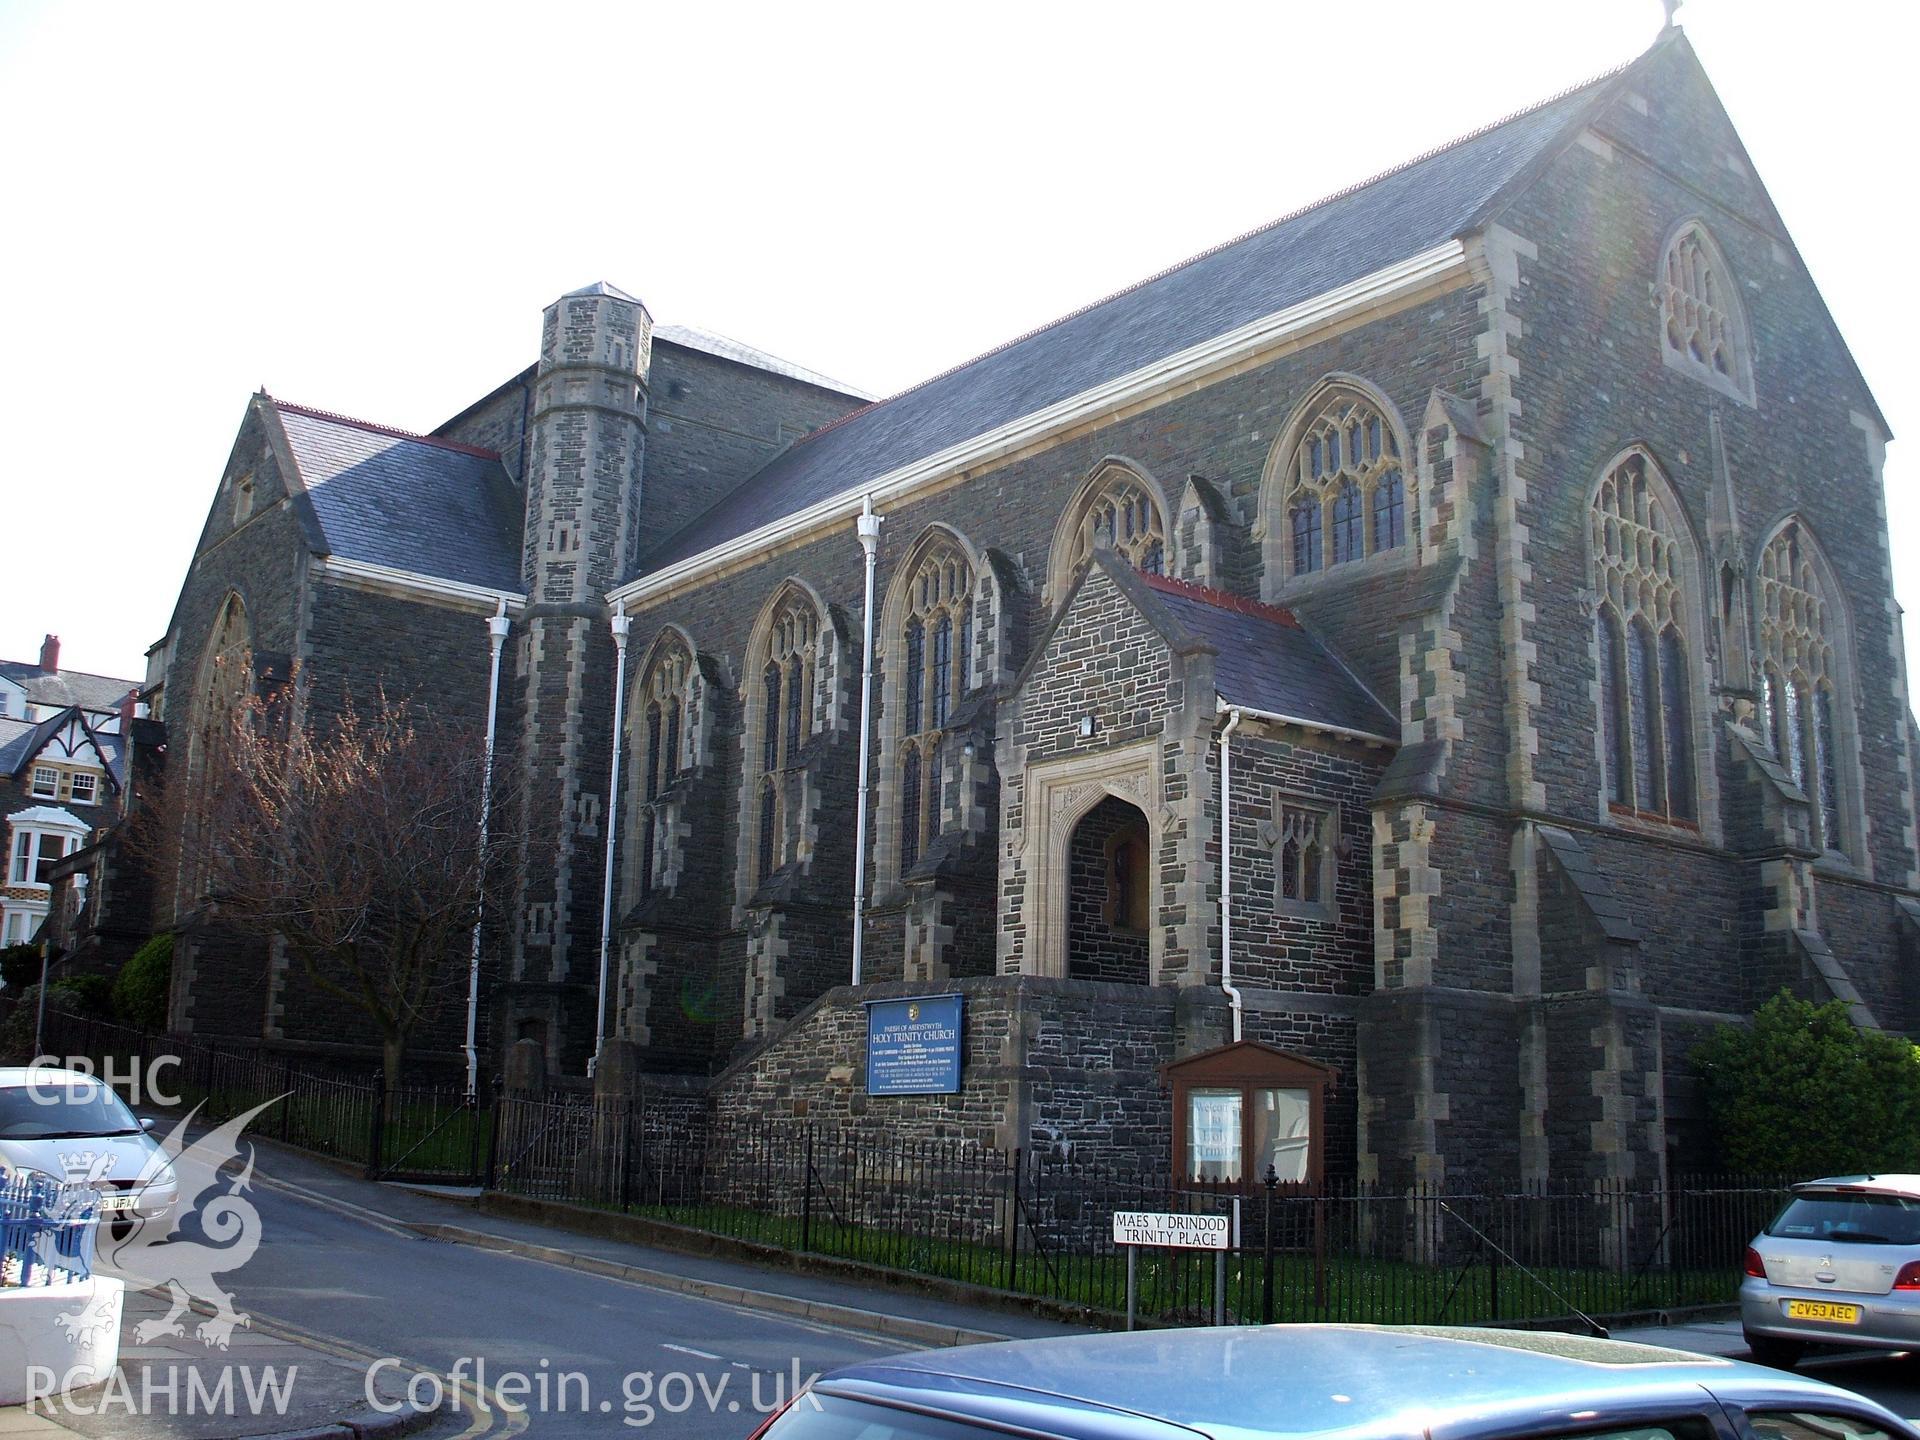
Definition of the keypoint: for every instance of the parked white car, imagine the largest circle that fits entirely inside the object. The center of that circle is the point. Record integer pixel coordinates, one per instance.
(68, 1125)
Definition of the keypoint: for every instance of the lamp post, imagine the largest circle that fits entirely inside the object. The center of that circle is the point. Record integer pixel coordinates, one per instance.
(497, 626)
(621, 625)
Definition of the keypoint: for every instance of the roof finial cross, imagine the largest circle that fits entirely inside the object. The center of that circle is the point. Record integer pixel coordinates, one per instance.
(1673, 7)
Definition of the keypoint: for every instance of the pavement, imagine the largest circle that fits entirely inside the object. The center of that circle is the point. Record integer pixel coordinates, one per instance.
(271, 1380)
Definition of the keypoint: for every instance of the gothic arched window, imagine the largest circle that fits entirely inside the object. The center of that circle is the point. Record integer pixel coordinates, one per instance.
(1345, 465)
(1646, 680)
(1704, 323)
(1116, 510)
(663, 694)
(781, 720)
(937, 640)
(1799, 665)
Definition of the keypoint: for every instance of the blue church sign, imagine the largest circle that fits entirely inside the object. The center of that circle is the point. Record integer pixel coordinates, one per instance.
(913, 1046)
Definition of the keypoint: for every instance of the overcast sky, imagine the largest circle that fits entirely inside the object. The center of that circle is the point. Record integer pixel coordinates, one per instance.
(366, 208)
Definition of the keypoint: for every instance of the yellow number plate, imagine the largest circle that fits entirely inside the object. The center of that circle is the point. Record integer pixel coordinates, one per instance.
(1823, 1310)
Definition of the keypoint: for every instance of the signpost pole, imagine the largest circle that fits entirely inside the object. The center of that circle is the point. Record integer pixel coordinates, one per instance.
(1219, 1287)
(1133, 1276)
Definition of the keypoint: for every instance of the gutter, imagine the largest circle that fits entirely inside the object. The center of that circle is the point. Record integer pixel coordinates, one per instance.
(385, 575)
(1187, 367)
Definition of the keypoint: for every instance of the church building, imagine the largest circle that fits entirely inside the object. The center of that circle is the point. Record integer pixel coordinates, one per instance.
(1446, 635)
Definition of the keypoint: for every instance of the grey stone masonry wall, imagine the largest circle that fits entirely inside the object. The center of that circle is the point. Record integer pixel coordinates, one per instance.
(501, 422)
(582, 530)
(221, 981)
(712, 422)
(1057, 1065)
(1656, 159)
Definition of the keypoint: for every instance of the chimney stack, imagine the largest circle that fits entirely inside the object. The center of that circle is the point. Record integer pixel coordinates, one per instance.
(128, 702)
(50, 654)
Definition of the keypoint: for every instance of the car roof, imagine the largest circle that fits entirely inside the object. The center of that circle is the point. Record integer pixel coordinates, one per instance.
(1875, 1184)
(12, 1077)
(1350, 1381)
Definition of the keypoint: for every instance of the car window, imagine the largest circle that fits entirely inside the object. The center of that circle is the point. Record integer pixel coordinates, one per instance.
(51, 1110)
(1811, 1425)
(830, 1417)
(1855, 1219)
(1686, 1427)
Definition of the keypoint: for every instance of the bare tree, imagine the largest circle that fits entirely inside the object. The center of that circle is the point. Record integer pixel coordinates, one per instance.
(355, 841)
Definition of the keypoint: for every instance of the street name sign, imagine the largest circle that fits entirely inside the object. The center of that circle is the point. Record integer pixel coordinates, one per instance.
(913, 1046)
(1180, 1232)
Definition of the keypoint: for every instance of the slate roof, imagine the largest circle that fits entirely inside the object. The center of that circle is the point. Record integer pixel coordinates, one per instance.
(1264, 658)
(1422, 204)
(67, 687)
(385, 497)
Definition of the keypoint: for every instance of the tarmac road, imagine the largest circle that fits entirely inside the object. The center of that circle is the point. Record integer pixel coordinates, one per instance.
(638, 1361)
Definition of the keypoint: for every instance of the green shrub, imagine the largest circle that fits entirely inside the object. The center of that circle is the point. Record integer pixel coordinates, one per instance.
(1803, 1092)
(81, 995)
(141, 988)
(20, 966)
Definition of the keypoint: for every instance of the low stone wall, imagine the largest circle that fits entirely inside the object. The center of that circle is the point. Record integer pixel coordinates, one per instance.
(1045, 1064)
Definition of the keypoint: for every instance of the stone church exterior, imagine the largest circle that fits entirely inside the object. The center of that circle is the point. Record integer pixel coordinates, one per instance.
(1510, 526)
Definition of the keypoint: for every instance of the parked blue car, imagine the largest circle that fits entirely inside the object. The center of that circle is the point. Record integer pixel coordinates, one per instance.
(1356, 1382)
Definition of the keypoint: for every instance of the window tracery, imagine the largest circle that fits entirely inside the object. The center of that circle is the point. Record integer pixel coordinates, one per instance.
(1345, 467)
(665, 697)
(783, 709)
(1704, 324)
(1118, 510)
(936, 647)
(1798, 663)
(1646, 675)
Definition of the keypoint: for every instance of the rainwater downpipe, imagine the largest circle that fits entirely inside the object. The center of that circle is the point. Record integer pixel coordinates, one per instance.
(621, 624)
(869, 542)
(1234, 715)
(497, 625)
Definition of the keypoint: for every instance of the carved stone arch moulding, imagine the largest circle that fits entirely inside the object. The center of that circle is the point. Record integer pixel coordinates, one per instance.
(1338, 485)
(1059, 794)
(1119, 505)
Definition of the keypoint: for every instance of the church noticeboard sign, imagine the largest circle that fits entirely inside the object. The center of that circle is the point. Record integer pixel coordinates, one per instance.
(913, 1046)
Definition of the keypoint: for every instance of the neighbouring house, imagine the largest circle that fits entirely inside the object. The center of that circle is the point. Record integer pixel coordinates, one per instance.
(1446, 635)
(63, 738)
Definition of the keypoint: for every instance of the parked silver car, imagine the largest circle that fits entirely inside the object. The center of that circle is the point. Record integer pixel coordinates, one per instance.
(70, 1126)
(1840, 1265)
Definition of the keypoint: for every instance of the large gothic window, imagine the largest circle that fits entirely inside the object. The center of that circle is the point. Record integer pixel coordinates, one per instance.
(1117, 510)
(781, 707)
(1642, 646)
(1800, 675)
(936, 643)
(1704, 323)
(1346, 489)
